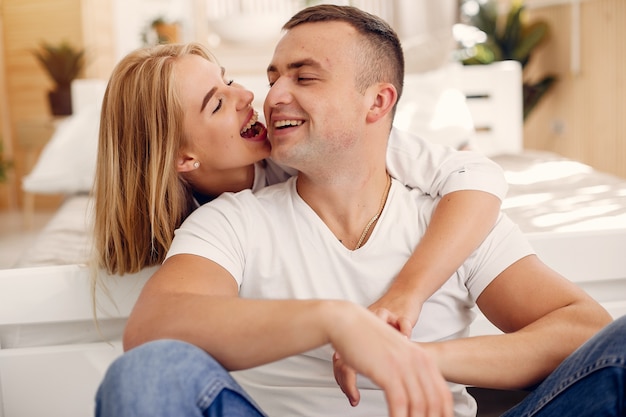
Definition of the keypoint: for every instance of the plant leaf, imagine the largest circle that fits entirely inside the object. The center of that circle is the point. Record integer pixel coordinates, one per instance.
(62, 62)
(486, 18)
(534, 92)
(512, 30)
(532, 36)
(484, 53)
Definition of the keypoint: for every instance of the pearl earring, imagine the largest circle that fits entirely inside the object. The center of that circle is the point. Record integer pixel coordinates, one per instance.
(196, 165)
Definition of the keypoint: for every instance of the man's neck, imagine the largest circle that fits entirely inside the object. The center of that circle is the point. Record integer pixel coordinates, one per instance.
(350, 208)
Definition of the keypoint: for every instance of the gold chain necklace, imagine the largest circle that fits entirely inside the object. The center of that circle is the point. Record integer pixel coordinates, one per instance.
(376, 216)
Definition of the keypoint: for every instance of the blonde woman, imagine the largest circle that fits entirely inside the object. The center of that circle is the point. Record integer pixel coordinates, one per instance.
(175, 133)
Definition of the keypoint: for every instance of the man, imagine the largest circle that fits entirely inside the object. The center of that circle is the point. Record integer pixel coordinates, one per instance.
(270, 285)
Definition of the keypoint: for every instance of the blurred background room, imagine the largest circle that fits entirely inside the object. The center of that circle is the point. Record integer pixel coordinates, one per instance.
(539, 86)
(580, 114)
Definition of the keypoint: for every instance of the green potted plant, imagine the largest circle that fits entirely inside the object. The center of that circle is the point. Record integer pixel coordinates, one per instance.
(63, 63)
(504, 37)
(160, 31)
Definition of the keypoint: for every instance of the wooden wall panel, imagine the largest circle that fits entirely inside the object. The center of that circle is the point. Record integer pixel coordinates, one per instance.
(583, 117)
(98, 37)
(25, 24)
(8, 189)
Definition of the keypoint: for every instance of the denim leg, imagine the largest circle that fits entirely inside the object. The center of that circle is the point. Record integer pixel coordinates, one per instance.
(590, 382)
(171, 378)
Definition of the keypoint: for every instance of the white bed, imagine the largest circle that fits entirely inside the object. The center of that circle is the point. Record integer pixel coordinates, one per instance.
(574, 216)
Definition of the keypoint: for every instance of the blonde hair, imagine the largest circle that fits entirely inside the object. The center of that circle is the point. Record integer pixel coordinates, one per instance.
(140, 199)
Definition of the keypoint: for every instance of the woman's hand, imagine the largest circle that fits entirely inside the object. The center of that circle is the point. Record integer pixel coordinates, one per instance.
(400, 311)
(404, 370)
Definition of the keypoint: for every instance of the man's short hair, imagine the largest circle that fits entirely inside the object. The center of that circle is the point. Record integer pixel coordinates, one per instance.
(382, 58)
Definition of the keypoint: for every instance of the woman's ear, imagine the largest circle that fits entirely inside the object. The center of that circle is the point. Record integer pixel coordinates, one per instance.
(385, 97)
(186, 163)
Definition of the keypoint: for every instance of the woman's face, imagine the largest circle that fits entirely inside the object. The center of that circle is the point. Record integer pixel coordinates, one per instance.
(220, 125)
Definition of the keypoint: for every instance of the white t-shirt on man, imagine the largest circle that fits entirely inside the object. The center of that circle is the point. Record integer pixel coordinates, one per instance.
(276, 247)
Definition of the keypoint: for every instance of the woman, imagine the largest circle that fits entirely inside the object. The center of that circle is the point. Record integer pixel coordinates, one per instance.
(174, 133)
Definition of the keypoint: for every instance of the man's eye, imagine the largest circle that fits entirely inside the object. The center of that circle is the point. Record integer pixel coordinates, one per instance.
(219, 105)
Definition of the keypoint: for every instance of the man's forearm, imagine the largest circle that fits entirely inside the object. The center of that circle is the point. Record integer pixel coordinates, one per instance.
(239, 333)
(522, 358)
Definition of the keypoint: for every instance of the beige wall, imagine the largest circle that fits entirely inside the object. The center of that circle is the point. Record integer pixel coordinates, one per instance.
(584, 117)
(24, 24)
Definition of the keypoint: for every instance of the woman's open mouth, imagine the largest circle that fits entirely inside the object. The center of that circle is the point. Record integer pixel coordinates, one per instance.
(254, 130)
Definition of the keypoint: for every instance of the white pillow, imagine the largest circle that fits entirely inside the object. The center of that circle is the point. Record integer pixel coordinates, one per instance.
(67, 163)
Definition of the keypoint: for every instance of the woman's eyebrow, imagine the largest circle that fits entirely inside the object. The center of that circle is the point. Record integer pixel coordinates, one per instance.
(207, 97)
(211, 92)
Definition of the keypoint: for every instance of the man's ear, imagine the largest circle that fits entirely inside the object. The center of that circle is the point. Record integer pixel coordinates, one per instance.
(383, 101)
(185, 162)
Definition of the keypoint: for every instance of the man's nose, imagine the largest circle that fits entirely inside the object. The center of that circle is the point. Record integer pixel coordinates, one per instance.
(279, 93)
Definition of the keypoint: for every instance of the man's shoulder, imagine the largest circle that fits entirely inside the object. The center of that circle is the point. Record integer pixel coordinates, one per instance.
(405, 142)
(275, 194)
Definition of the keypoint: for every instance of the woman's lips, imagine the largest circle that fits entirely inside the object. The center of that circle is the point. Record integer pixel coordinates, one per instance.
(254, 130)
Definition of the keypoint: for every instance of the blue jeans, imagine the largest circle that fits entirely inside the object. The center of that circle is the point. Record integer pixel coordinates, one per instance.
(589, 382)
(173, 378)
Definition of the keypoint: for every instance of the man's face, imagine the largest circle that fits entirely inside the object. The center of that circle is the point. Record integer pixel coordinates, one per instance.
(313, 109)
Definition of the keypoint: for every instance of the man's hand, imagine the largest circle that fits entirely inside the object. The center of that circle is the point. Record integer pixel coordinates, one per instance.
(404, 370)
